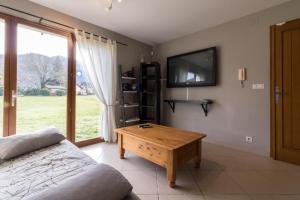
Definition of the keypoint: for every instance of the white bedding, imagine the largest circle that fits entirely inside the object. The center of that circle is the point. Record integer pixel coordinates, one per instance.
(41, 169)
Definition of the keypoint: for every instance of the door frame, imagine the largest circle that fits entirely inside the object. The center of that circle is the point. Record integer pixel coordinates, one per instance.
(275, 78)
(10, 76)
(6, 82)
(272, 92)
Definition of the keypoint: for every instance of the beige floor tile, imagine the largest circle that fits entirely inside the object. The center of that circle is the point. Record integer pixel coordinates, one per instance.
(217, 182)
(187, 166)
(227, 197)
(113, 147)
(255, 162)
(227, 163)
(285, 182)
(218, 150)
(254, 183)
(94, 151)
(185, 184)
(181, 197)
(275, 197)
(239, 160)
(148, 197)
(109, 155)
(133, 162)
(112, 160)
(225, 174)
(248, 162)
(286, 166)
(259, 163)
(206, 164)
(143, 182)
(211, 164)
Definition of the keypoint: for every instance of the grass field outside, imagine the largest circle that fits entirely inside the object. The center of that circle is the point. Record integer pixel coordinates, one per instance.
(37, 112)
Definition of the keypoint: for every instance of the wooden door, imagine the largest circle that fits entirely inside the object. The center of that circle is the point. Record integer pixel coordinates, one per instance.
(285, 51)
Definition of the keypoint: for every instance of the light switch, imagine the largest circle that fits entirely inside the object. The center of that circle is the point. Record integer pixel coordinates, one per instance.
(260, 86)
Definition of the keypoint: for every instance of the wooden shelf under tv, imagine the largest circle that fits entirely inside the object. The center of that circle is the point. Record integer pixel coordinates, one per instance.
(204, 103)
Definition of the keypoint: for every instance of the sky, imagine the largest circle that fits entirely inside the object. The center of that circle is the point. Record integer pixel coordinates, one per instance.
(32, 40)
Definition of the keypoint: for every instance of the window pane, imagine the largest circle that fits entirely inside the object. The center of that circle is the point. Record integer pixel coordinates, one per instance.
(2, 47)
(88, 108)
(42, 77)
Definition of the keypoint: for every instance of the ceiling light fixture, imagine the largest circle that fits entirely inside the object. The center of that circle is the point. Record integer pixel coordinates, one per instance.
(110, 5)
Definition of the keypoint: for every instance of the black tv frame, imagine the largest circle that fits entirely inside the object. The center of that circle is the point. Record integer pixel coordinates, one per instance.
(215, 67)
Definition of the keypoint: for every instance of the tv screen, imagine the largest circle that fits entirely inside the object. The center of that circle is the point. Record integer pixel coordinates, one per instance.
(194, 69)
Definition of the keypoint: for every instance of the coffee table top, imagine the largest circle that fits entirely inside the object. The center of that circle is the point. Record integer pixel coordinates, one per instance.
(163, 136)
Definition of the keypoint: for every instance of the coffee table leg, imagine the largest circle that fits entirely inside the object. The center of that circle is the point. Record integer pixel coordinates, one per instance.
(120, 145)
(198, 158)
(171, 168)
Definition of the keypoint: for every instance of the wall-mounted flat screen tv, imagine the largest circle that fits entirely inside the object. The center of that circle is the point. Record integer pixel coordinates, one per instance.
(193, 69)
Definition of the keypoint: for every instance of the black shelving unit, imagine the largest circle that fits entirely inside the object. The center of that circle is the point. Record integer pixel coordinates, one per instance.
(149, 93)
(129, 110)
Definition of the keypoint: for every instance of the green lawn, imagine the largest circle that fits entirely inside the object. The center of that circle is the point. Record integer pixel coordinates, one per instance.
(36, 112)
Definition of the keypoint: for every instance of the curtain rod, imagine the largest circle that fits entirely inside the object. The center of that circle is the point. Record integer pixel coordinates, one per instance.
(54, 22)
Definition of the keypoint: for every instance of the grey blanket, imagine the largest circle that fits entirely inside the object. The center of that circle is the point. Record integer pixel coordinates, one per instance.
(100, 183)
(41, 170)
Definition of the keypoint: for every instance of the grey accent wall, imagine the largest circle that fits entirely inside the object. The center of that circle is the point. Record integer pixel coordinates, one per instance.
(237, 112)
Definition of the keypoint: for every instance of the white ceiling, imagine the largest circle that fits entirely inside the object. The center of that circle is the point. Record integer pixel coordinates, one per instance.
(157, 21)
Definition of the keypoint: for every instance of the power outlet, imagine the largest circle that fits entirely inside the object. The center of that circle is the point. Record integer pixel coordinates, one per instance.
(249, 139)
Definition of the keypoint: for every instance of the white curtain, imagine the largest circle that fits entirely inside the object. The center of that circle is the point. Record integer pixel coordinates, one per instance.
(99, 63)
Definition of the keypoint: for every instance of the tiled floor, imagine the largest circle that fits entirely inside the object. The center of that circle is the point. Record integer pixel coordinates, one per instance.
(225, 174)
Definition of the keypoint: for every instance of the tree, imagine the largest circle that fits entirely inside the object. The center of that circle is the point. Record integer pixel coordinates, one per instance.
(44, 70)
(58, 72)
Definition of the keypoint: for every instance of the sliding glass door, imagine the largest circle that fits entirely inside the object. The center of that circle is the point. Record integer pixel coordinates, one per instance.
(37, 78)
(41, 85)
(88, 108)
(2, 61)
(42, 80)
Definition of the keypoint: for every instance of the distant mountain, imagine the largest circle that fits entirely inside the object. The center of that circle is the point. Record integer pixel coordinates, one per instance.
(31, 66)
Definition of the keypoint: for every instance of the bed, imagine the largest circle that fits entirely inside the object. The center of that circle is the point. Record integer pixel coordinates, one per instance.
(43, 170)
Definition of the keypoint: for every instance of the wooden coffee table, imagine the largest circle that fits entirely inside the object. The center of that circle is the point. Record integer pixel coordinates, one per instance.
(166, 146)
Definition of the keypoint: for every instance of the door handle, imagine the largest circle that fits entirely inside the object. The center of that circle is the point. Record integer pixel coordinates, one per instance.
(278, 94)
(13, 98)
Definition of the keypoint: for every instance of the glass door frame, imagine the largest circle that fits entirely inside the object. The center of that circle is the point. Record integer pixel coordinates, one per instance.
(10, 77)
(71, 53)
(7, 59)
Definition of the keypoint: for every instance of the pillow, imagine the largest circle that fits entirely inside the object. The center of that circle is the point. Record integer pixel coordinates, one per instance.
(99, 183)
(16, 145)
